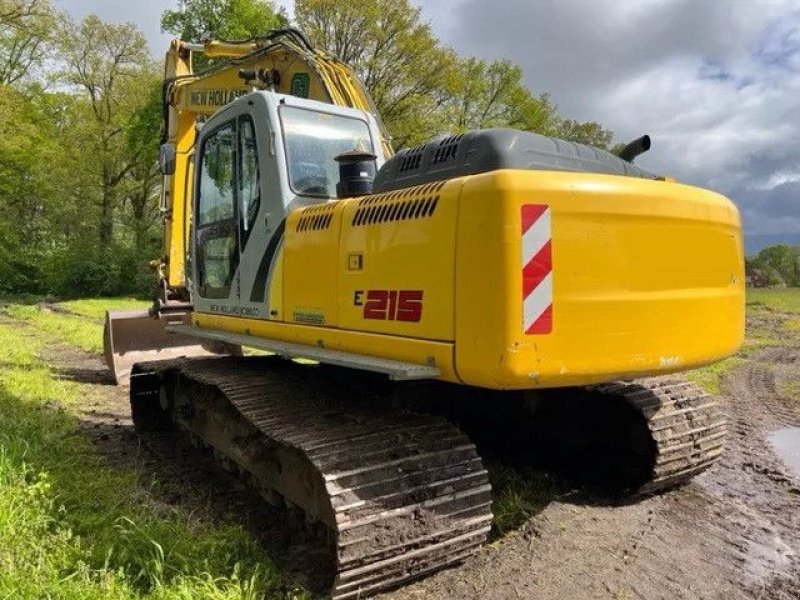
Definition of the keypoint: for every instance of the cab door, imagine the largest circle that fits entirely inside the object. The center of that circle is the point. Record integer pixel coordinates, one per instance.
(216, 236)
(238, 214)
(261, 213)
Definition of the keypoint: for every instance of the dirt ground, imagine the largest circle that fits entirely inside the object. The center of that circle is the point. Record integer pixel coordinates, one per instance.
(732, 533)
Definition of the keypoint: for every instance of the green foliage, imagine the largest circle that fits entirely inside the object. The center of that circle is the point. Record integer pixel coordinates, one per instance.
(422, 88)
(78, 180)
(493, 95)
(401, 63)
(199, 20)
(26, 27)
(32, 168)
(775, 265)
(79, 184)
(73, 527)
(590, 133)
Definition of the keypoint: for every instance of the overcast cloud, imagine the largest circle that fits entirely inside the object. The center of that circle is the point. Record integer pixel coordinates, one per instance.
(716, 83)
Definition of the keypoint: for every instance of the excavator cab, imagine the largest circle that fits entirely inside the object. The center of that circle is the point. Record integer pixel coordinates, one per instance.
(259, 158)
(256, 159)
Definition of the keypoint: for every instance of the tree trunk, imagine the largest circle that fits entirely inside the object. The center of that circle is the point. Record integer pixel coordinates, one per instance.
(106, 231)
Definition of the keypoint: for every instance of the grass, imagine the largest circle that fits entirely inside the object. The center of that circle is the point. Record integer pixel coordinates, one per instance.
(710, 377)
(73, 527)
(84, 333)
(790, 389)
(516, 496)
(779, 299)
(95, 308)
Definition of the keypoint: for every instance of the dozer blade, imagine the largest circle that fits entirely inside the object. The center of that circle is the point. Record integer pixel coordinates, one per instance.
(132, 336)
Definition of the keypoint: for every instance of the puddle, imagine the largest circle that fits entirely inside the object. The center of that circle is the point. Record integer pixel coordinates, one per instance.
(767, 558)
(786, 443)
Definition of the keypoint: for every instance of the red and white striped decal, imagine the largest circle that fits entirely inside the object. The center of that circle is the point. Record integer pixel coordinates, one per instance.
(537, 270)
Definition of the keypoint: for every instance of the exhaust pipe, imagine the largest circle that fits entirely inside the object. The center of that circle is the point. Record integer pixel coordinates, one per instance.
(635, 148)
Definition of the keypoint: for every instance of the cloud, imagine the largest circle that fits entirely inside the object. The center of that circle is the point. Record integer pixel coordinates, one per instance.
(716, 83)
(146, 14)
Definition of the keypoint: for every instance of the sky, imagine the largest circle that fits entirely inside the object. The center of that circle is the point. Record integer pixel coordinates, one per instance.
(715, 83)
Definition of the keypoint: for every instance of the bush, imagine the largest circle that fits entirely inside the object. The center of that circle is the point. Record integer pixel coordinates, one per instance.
(87, 272)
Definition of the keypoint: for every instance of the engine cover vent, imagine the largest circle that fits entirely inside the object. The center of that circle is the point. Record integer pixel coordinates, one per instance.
(412, 159)
(487, 150)
(447, 149)
(412, 203)
(315, 218)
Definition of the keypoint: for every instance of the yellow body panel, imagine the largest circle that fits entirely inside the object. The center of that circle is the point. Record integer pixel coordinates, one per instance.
(311, 270)
(407, 240)
(647, 278)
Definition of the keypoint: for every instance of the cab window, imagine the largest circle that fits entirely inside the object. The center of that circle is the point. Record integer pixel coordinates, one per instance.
(249, 180)
(217, 254)
(312, 141)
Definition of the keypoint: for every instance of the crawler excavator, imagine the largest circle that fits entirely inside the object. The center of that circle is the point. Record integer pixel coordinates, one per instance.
(479, 267)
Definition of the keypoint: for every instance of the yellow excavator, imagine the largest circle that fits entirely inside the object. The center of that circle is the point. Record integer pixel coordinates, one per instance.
(484, 268)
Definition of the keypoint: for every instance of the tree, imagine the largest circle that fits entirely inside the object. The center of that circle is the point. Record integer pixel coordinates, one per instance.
(110, 65)
(14, 12)
(590, 133)
(25, 28)
(493, 95)
(198, 20)
(781, 263)
(422, 88)
(141, 193)
(25, 191)
(406, 70)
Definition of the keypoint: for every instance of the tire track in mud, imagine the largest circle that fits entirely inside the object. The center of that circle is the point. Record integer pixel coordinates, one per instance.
(757, 493)
(733, 533)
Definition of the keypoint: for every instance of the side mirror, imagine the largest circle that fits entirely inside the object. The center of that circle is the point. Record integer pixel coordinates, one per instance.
(166, 159)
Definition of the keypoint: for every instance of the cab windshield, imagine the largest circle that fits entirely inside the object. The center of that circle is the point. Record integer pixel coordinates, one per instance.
(313, 140)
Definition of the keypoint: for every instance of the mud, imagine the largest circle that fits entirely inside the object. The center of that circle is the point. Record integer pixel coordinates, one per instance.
(786, 444)
(733, 533)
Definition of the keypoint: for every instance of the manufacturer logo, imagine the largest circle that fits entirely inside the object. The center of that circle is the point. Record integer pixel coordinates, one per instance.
(242, 311)
(390, 305)
(215, 97)
(301, 85)
(308, 315)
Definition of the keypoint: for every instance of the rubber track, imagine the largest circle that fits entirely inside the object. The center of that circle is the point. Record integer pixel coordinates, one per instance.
(403, 494)
(685, 424)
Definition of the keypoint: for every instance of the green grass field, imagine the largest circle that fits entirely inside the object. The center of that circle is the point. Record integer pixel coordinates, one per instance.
(783, 300)
(71, 526)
